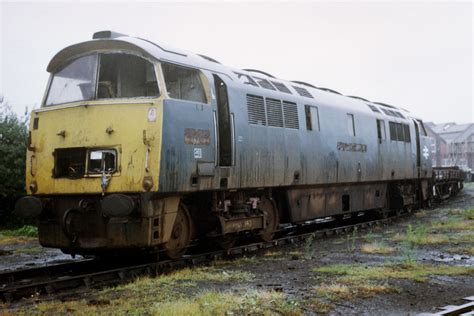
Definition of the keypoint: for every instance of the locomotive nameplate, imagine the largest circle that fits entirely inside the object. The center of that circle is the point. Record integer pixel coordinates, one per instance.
(194, 136)
(351, 147)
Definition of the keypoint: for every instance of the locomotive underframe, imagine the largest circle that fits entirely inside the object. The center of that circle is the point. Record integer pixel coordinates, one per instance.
(76, 224)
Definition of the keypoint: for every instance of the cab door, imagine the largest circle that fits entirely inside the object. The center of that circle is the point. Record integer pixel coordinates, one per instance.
(224, 125)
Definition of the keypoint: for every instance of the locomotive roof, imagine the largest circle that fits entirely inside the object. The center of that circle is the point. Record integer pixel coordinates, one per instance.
(108, 40)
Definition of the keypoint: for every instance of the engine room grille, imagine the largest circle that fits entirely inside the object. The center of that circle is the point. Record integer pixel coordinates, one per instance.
(303, 92)
(281, 87)
(274, 112)
(256, 110)
(290, 112)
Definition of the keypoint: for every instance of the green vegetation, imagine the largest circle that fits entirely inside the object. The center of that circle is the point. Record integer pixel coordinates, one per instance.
(26, 233)
(462, 250)
(377, 248)
(341, 291)
(421, 235)
(13, 140)
(176, 294)
(467, 214)
(318, 305)
(308, 246)
(418, 272)
(29, 250)
(351, 240)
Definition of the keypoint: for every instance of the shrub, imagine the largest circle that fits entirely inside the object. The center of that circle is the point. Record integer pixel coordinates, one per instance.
(13, 142)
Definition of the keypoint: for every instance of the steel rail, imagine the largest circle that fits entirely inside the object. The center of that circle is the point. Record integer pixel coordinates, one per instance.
(452, 310)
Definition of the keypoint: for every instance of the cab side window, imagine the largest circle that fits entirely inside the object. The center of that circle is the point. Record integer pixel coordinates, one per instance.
(184, 83)
(126, 76)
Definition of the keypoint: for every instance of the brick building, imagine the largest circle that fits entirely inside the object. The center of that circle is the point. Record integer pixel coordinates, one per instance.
(452, 144)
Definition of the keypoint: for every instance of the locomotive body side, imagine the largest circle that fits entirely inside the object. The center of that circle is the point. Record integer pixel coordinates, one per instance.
(188, 148)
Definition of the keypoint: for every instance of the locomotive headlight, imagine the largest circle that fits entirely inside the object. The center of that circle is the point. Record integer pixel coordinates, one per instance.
(117, 205)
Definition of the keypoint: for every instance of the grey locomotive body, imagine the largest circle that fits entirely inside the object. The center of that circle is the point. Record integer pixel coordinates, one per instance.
(223, 152)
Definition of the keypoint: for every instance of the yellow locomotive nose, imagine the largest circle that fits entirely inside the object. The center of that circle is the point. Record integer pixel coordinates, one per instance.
(95, 148)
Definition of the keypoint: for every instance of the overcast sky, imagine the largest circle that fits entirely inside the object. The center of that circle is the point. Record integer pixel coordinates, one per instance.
(417, 55)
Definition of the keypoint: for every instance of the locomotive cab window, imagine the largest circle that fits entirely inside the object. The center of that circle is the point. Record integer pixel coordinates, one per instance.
(102, 76)
(126, 76)
(184, 83)
(74, 82)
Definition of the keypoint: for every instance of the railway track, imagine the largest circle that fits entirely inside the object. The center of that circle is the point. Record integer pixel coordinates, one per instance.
(453, 310)
(89, 273)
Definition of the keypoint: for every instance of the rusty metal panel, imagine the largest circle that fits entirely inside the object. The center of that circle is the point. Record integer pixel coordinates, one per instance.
(234, 225)
(310, 203)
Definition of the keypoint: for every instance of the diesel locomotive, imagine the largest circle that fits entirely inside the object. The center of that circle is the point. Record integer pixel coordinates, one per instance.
(140, 146)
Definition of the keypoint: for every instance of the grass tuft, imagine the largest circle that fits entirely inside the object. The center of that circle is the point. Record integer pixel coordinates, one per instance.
(377, 248)
(319, 306)
(462, 250)
(24, 231)
(421, 235)
(414, 271)
(348, 291)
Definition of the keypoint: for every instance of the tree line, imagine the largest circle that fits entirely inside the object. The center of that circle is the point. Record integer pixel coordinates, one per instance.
(13, 142)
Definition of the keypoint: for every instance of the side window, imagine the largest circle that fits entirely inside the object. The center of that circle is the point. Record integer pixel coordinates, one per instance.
(126, 76)
(381, 130)
(406, 129)
(350, 124)
(312, 118)
(393, 130)
(400, 133)
(184, 83)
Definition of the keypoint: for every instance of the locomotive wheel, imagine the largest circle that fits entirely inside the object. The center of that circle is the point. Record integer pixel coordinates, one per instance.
(180, 235)
(272, 219)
